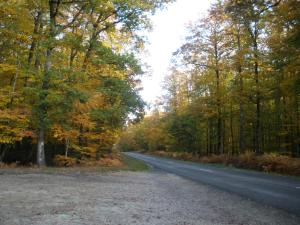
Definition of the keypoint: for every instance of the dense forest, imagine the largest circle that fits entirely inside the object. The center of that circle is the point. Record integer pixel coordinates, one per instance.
(70, 80)
(233, 86)
(69, 76)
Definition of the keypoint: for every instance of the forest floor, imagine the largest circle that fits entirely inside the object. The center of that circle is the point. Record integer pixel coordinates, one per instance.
(103, 197)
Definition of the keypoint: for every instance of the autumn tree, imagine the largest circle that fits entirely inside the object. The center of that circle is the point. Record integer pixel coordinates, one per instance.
(69, 73)
(233, 86)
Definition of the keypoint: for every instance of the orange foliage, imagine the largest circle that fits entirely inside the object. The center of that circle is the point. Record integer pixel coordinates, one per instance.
(249, 160)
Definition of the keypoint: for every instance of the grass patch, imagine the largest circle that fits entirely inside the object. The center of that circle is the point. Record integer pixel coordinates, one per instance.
(134, 164)
(106, 165)
(59, 170)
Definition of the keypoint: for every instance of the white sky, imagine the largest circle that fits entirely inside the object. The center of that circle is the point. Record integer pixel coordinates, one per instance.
(169, 30)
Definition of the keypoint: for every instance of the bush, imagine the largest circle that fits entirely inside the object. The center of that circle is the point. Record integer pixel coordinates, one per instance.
(279, 163)
(12, 165)
(247, 160)
(106, 160)
(61, 160)
(270, 162)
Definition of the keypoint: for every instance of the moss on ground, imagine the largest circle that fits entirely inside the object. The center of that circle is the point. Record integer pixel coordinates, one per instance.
(134, 164)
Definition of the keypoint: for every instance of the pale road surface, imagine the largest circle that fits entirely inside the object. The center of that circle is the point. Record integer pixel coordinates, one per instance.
(32, 197)
(278, 191)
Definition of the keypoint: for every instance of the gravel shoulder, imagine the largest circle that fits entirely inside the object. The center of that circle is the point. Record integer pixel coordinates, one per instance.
(124, 198)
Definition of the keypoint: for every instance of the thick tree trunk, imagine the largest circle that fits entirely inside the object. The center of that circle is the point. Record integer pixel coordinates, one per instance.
(53, 6)
(43, 111)
(41, 148)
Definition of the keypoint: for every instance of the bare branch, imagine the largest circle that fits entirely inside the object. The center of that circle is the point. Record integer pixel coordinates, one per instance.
(74, 18)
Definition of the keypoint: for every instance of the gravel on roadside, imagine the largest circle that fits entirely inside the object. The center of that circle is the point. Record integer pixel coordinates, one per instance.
(125, 198)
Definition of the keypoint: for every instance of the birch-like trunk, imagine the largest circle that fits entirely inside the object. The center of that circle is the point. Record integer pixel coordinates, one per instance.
(53, 10)
(40, 149)
(67, 143)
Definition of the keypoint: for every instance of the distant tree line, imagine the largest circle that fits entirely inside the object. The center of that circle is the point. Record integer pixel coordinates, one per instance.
(233, 86)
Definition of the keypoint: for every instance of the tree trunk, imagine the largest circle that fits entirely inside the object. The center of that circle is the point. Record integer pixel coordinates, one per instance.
(241, 93)
(231, 130)
(220, 133)
(72, 57)
(37, 22)
(257, 120)
(297, 132)
(286, 125)
(13, 90)
(43, 112)
(257, 133)
(67, 142)
(278, 122)
(207, 138)
(53, 6)
(40, 149)
(220, 147)
(12, 97)
(37, 63)
(3, 148)
(88, 52)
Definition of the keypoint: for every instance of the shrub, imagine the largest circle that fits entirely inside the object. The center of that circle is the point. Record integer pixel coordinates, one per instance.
(270, 162)
(61, 160)
(279, 163)
(246, 160)
(106, 160)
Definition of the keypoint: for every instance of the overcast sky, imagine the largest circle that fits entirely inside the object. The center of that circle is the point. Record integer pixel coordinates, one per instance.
(169, 30)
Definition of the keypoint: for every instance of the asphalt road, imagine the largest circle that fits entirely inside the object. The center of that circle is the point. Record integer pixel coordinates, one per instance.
(278, 191)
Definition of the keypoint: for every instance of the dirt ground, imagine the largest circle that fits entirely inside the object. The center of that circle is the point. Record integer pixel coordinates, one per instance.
(124, 198)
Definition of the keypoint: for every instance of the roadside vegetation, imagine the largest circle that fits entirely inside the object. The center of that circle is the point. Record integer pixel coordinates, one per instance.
(269, 163)
(70, 80)
(134, 164)
(232, 93)
(69, 77)
(112, 162)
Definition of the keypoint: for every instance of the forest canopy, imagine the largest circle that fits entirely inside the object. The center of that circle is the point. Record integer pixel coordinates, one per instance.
(233, 86)
(70, 80)
(69, 75)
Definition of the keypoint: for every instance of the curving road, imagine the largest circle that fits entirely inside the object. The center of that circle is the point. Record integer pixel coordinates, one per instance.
(277, 191)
